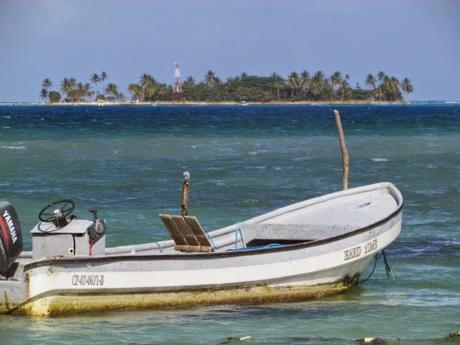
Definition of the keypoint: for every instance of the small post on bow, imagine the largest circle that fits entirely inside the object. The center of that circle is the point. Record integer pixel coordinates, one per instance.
(343, 150)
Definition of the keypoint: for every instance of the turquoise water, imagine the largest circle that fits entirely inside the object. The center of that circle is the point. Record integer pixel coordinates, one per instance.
(128, 162)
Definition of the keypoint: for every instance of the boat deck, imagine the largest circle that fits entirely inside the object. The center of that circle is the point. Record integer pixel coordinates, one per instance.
(315, 219)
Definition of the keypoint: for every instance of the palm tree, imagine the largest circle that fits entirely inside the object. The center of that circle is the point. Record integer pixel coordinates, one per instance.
(146, 79)
(305, 82)
(87, 92)
(136, 91)
(68, 86)
(189, 82)
(379, 89)
(345, 89)
(406, 86)
(81, 92)
(103, 76)
(395, 89)
(149, 86)
(319, 87)
(371, 84)
(210, 78)
(95, 79)
(44, 94)
(112, 92)
(47, 83)
(293, 82)
(336, 81)
(370, 81)
(389, 89)
(278, 83)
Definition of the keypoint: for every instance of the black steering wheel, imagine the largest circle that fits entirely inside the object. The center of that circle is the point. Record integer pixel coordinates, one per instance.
(48, 215)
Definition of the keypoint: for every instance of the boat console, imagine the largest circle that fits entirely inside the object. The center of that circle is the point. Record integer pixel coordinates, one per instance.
(60, 233)
(57, 234)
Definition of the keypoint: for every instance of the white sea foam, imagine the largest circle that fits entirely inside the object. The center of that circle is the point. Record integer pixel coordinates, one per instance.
(379, 159)
(13, 147)
(6, 127)
(7, 117)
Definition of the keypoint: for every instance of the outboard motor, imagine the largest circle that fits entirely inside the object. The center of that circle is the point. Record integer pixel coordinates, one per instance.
(10, 237)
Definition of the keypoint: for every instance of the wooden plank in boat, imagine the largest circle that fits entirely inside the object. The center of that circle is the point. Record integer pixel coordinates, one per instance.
(187, 233)
(199, 233)
(170, 224)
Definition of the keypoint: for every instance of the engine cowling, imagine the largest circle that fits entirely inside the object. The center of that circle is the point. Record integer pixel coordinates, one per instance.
(10, 237)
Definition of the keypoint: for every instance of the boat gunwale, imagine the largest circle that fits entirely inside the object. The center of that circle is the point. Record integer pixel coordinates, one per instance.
(212, 255)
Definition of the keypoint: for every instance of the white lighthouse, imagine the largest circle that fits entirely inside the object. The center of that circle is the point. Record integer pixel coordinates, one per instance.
(177, 88)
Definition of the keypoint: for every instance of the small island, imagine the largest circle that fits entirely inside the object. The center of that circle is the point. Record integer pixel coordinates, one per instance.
(244, 88)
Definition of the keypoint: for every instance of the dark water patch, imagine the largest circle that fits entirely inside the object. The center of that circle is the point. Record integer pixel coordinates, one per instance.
(218, 121)
(427, 248)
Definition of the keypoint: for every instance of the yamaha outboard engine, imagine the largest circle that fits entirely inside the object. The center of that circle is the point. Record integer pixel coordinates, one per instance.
(10, 237)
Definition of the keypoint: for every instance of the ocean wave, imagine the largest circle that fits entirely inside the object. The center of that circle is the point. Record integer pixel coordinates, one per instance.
(379, 159)
(13, 147)
(426, 248)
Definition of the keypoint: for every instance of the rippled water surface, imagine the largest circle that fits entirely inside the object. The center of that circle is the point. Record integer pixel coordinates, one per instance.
(128, 162)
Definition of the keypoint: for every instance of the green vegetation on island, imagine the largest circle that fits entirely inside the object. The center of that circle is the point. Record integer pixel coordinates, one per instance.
(297, 87)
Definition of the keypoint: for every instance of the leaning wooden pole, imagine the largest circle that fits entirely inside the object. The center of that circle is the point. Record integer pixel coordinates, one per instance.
(343, 150)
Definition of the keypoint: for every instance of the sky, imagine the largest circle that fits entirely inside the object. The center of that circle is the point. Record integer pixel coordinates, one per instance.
(418, 39)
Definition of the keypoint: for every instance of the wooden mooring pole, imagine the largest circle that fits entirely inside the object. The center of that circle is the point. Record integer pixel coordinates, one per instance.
(343, 150)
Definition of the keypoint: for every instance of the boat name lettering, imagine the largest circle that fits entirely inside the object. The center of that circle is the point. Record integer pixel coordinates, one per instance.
(370, 246)
(88, 279)
(352, 253)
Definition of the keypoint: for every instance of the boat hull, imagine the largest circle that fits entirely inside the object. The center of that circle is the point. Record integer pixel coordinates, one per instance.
(69, 303)
(290, 273)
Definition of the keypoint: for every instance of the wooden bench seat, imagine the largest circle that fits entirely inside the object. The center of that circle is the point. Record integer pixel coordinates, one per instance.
(187, 233)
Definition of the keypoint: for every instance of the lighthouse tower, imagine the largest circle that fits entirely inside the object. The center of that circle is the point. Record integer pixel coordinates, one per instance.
(177, 88)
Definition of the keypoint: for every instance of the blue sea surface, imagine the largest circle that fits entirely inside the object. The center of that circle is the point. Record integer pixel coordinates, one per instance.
(128, 161)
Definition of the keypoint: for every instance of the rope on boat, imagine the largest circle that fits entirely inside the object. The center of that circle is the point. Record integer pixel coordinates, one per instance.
(238, 229)
(159, 247)
(388, 269)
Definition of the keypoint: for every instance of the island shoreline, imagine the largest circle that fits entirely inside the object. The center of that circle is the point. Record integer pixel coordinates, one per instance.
(192, 103)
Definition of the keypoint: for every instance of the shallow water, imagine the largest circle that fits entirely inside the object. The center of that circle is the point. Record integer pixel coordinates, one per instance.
(128, 162)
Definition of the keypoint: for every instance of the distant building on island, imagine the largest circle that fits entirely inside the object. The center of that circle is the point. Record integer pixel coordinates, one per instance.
(177, 88)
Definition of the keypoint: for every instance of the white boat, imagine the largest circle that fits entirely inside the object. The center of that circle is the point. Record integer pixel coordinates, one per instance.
(306, 250)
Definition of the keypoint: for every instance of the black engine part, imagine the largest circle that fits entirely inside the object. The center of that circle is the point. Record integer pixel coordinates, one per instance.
(10, 237)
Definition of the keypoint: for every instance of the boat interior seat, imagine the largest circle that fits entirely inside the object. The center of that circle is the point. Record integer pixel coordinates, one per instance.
(263, 233)
(187, 233)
